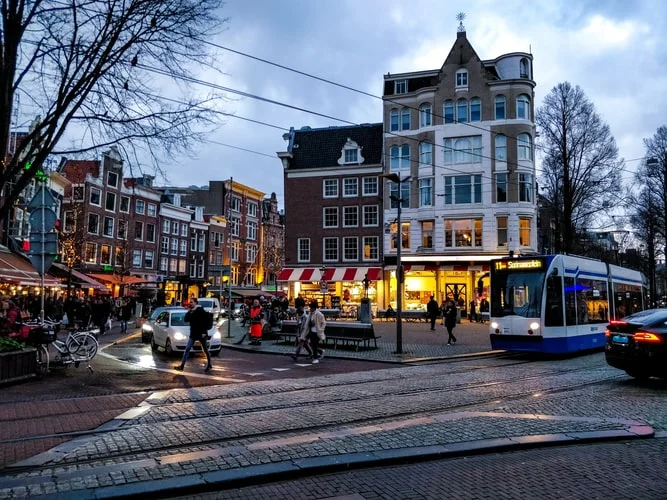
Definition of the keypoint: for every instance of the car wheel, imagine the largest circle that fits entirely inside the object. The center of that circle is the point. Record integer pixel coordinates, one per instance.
(638, 374)
(168, 349)
(153, 344)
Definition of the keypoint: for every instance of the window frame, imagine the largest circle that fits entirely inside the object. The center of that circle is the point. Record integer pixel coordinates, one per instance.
(124, 200)
(456, 152)
(110, 195)
(303, 248)
(425, 115)
(329, 212)
(502, 230)
(375, 249)
(426, 190)
(401, 86)
(95, 192)
(475, 226)
(366, 213)
(353, 213)
(454, 185)
(500, 147)
(354, 248)
(500, 103)
(501, 187)
(375, 186)
(475, 102)
(523, 229)
(524, 148)
(110, 233)
(106, 261)
(97, 224)
(353, 184)
(426, 153)
(326, 249)
(448, 112)
(115, 183)
(138, 230)
(137, 204)
(151, 210)
(461, 78)
(329, 184)
(523, 107)
(90, 245)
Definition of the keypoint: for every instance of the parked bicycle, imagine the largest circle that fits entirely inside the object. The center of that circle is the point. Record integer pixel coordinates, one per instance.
(78, 346)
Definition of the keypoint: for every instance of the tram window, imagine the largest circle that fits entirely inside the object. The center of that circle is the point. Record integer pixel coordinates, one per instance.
(554, 306)
(570, 302)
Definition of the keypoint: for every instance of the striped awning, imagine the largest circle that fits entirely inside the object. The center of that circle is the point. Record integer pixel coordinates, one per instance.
(300, 274)
(352, 273)
(18, 270)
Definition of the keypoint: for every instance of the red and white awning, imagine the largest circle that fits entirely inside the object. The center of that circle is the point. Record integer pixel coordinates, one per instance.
(353, 273)
(300, 274)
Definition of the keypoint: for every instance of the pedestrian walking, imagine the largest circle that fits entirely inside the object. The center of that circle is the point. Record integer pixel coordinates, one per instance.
(125, 315)
(432, 311)
(302, 329)
(473, 311)
(316, 327)
(450, 321)
(256, 322)
(200, 323)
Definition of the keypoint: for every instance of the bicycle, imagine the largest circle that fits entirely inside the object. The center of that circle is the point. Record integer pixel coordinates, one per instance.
(77, 347)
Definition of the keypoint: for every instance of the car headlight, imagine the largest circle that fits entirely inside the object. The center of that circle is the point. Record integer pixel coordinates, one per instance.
(146, 327)
(179, 336)
(534, 326)
(217, 335)
(494, 325)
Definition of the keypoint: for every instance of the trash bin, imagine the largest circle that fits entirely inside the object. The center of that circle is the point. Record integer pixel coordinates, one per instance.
(364, 313)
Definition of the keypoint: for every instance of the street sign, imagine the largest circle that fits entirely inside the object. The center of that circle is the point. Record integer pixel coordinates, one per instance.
(50, 243)
(324, 288)
(43, 240)
(42, 220)
(37, 202)
(36, 261)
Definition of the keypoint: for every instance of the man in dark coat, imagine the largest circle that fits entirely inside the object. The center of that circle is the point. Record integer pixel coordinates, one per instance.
(200, 323)
(433, 311)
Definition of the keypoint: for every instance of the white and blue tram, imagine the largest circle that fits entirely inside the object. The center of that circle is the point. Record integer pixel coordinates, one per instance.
(559, 303)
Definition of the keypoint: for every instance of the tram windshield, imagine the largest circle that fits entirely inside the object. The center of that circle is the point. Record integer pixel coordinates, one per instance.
(517, 294)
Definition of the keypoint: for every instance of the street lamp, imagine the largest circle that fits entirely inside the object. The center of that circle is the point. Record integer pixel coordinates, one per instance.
(394, 177)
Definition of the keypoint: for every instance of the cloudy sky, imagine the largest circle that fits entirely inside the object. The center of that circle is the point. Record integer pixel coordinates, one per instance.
(615, 50)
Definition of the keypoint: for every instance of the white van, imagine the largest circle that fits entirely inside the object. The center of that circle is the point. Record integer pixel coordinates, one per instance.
(210, 304)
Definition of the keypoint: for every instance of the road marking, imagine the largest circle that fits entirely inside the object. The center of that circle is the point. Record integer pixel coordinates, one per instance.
(281, 369)
(255, 374)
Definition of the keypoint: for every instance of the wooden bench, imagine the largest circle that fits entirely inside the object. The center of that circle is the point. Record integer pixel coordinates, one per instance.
(345, 332)
(412, 315)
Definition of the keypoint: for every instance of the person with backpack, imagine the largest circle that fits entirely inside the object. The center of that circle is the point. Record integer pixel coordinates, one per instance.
(200, 323)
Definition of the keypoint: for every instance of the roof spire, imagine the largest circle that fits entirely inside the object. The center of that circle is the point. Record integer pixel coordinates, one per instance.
(460, 17)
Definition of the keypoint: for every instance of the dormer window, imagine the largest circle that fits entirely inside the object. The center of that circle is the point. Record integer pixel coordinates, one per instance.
(350, 154)
(401, 87)
(523, 68)
(462, 79)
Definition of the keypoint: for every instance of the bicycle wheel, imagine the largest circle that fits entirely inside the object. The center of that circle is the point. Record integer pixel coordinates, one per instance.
(83, 344)
(42, 360)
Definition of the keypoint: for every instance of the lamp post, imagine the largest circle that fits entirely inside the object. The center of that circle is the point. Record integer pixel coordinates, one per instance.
(394, 177)
(323, 286)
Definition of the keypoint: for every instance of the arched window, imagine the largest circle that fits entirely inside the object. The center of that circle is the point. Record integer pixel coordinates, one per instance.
(501, 148)
(425, 153)
(523, 107)
(500, 107)
(524, 147)
(523, 68)
(461, 111)
(475, 109)
(393, 120)
(399, 157)
(462, 150)
(425, 115)
(448, 111)
(405, 119)
(461, 78)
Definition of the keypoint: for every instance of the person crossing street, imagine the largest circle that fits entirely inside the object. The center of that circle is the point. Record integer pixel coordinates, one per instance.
(200, 323)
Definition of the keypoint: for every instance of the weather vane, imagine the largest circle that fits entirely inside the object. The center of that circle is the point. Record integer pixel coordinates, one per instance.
(460, 17)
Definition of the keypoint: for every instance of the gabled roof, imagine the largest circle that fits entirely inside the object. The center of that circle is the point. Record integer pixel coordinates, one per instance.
(322, 147)
(462, 52)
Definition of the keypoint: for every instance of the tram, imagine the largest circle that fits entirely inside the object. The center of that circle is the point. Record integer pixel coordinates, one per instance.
(559, 303)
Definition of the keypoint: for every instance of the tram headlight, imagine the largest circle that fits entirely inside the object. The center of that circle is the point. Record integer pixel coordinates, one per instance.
(494, 325)
(534, 326)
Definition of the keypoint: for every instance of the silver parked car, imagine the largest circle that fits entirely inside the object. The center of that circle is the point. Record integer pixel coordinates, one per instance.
(171, 333)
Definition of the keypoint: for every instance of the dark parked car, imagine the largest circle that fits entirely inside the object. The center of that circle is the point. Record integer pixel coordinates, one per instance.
(638, 344)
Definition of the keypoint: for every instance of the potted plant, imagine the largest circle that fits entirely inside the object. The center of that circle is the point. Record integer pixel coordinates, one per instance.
(17, 362)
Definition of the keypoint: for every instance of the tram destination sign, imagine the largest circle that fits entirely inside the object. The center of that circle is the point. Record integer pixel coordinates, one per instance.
(518, 265)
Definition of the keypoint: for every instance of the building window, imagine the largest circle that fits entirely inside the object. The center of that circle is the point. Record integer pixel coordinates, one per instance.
(95, 197)
(112, 179)
(236, 250)
(105, 255)
(152, 210)
(138, 230)
(463, 233)
(150, 233)
(200, 269)
(193, 242)
(330, 249)
(202, 242)
(399, 157)
(448, 112)
(120, 257)
(501, 222)
(251, 229)
(164, 248)
(303, 247)
(251, 253)
(235, 204)
(524, 231)
(501, 188)
(370, 186)
(405, 119)
(524, 147)
(371, 248)
(401, 87)
(425, 153)
(91, 253)
(463, 189)
(252, 209)
(136, 258)
(523, 68)
(164, 264)
(370, 214)
(404, 196)
(350, 248)
(500, 107)
(139, 207)
(193, 269)
(93, 223)
(183, 244)
(330, 188)
(525, 187)
(351, 156)
(463, 150)
(350, 216)
(121, 234)
(148, 259)
(523, 107)
(173, 249)
(165, 226)
(110, 203)
(425, 115)
(393, 120)
(235, 225)
(68, 222)
(501, 147)
(426, 192)
(78, 191)
(427, 234)
(350, 187)
(184, 230)
(461, 111)
(173, 265)
(405, 235)
(108, 227)
(330, 217)
(461, 78)
(475, 110)
(124, 204)
(181, 266)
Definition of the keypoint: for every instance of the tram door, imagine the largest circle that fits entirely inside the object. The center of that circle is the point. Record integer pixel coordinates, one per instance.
(457, 293)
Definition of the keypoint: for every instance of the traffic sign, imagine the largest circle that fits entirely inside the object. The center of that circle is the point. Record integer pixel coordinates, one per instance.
(43, 220)
(37, 201)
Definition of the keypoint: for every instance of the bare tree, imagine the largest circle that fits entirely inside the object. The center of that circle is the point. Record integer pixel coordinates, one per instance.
(114, 70)
(653, 174)
(581, 176)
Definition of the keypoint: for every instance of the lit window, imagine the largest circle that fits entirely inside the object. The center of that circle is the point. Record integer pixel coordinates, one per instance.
(524, 231)
(371, 248)
(427, 234)
(463, 233)
(501, 222)
(405, 235)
